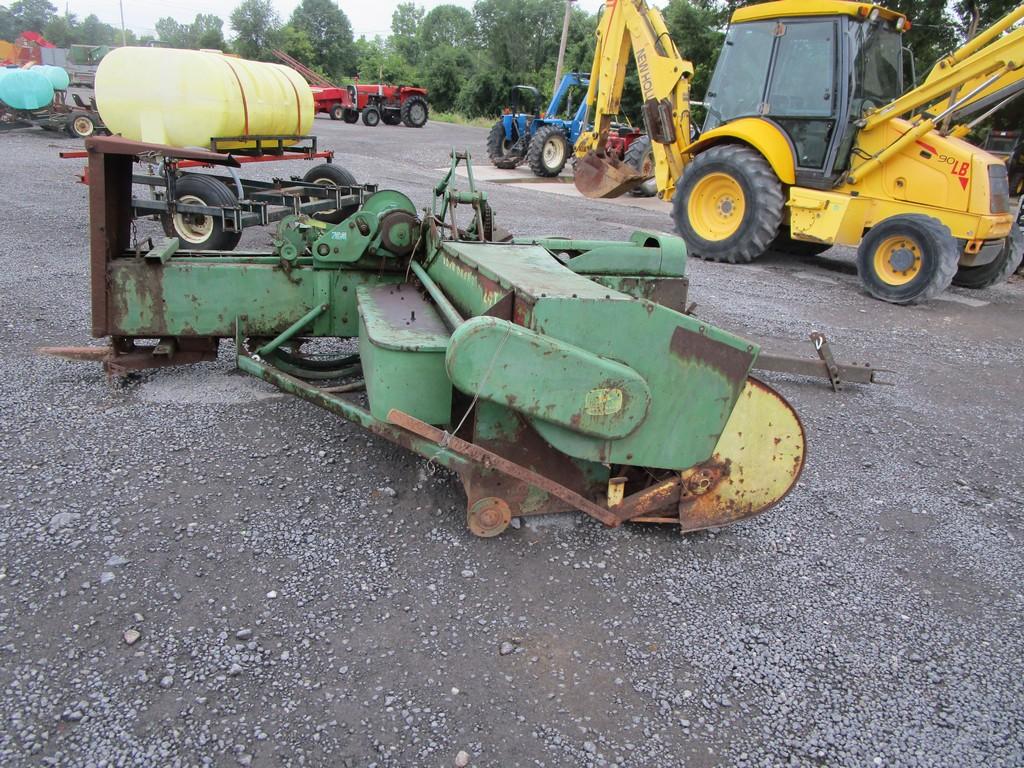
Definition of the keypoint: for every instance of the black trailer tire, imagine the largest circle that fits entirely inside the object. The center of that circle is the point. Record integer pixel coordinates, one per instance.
(371, 116)
(415, 112)
(81, 125)
(391, 117)
(351, 116)
(907, 259)
(499, 148)
(783, 243)
(197, 232)
(549, 151)
(728, 204)
(640, 156)
(332, 175)
(337, 112)
(998, 270)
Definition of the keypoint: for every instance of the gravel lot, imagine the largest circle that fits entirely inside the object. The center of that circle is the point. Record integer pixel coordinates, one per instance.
(299, 593)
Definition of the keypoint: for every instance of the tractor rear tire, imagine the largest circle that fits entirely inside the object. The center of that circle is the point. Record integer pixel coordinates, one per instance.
(728, 205)
(337, 112)
(907, 259)
(351, 116)
(371, 117)
(640, 156)
(996, 271)
(498, 148)
(786, 244)
(415, 112)
(197, 232)
(549, 151)
(391, 117)
(331, 175)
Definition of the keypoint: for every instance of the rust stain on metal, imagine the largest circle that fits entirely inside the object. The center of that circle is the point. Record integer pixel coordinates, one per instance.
(731, 362)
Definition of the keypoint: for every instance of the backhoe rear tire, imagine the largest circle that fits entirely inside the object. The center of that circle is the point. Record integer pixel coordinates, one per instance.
(640, 156)
(907, 259)
(499, 148)
(548, 152)
(998, 270)
(728, 204)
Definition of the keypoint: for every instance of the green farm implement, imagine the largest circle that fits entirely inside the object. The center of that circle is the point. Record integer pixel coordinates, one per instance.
(550, 375)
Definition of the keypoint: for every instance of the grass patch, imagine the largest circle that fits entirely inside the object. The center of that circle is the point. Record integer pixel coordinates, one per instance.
(459, 119)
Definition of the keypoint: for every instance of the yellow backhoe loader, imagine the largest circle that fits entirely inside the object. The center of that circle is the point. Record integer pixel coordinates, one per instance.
(811, 141)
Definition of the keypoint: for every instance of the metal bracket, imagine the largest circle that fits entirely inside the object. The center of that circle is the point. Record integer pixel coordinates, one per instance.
(838, 374)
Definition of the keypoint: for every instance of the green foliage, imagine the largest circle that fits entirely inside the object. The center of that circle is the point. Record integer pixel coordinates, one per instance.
(30, 15)
(376, 60)
(8, 25)
(445, 26)
(257, 28)
(405, 25)
(296, 43)
(330, 34)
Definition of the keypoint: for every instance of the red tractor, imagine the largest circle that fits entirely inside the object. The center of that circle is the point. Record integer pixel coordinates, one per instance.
(392, 104)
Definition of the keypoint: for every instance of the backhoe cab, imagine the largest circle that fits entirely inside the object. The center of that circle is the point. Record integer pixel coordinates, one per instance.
(810, 141)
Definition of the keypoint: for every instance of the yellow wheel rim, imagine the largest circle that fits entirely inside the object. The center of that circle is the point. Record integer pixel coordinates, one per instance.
(716, 207)
(897, 260)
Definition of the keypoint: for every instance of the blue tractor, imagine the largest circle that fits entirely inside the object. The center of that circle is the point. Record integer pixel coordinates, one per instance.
(543, 140)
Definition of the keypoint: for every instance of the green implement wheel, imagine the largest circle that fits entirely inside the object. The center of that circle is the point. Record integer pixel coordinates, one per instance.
(907, 259)
(728, 204)
(198, 231)
(548, 151)
(996, 271)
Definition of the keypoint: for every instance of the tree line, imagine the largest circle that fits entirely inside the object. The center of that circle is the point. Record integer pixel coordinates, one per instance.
(470, 58)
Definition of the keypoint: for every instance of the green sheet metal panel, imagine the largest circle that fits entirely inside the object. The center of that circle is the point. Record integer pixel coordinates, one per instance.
(195, 296)
(402, 343)
(545, 378)
(694, 370)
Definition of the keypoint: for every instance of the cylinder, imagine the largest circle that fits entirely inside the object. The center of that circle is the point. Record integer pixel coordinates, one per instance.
(185, 98)
(57, 76)
(25, 89)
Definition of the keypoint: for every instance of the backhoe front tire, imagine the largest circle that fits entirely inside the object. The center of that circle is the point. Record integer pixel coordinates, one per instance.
(907, 259)
(728, 204)
(548, 151)
(499, 148)
(998, 270)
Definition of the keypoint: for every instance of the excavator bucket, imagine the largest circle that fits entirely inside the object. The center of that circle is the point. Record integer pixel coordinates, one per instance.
(598, 175)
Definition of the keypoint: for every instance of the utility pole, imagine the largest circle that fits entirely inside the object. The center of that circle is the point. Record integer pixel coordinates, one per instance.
(124, 34)
(561, 47)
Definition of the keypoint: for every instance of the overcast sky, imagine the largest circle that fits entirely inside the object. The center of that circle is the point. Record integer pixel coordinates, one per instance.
(368, 18)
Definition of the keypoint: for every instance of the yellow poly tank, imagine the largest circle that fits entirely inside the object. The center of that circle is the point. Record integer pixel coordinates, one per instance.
(185, 98)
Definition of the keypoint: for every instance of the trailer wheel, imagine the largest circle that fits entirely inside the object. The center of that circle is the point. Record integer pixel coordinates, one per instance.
(728, 204)
(996, 271)
(81, 125)
(351, 116)
(499, 148)
(199, 232)
(415, 112)
(337, 112)
(371, 116)
(906, 259)
(331, 175)
(548, 151)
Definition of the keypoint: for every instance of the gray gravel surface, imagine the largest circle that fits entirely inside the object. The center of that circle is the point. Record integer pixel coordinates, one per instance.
(196, 570)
